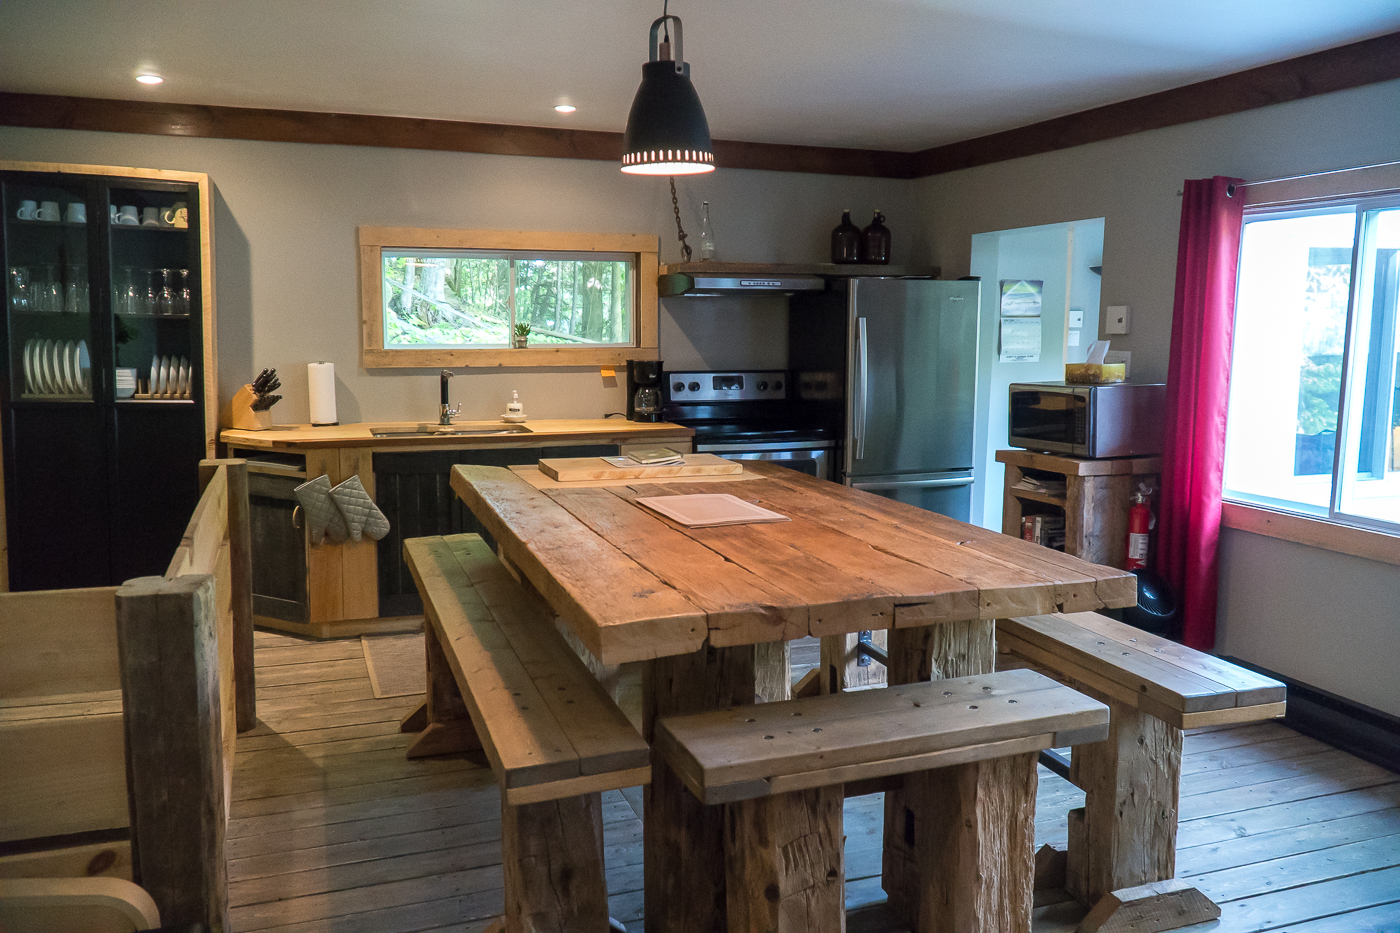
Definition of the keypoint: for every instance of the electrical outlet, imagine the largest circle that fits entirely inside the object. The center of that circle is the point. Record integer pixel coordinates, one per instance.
(1074, 338)
(1121, 356)
(1116, 319)
(1076, 317)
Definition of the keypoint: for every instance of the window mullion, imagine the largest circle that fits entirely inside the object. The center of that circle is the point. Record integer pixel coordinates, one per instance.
(510, 300)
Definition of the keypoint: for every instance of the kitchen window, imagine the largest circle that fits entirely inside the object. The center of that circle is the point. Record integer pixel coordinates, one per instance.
(1314, 418)
(450, 298)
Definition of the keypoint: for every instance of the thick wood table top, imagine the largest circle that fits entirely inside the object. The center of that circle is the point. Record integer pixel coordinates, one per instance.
(633, 585)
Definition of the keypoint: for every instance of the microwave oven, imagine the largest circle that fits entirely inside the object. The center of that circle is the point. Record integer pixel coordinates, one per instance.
(1116, 420)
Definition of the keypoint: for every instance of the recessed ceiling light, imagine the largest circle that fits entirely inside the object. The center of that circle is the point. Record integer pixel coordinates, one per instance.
(565, 108)
(149, 78)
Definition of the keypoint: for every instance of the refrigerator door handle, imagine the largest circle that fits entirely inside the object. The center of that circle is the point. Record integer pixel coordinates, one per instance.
(916, 483)
(863, 359)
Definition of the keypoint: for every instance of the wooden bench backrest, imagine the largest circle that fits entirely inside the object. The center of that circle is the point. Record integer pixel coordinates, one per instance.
(546, 724)
(1177, 684)
(767, 748)
(56, 642)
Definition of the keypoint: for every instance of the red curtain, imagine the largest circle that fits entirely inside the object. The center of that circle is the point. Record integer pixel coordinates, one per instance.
(1198, 389)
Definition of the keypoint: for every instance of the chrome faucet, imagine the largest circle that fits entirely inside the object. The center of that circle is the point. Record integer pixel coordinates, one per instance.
(446, 411)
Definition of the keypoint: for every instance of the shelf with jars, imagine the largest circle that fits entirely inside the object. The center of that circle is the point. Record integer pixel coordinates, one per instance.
(106, 357)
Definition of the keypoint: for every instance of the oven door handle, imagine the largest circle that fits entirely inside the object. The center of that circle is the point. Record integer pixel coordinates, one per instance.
(761, 447)
(862, 380)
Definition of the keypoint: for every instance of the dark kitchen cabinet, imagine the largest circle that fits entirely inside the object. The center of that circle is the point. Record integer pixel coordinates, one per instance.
(414, 493)
(106, 405)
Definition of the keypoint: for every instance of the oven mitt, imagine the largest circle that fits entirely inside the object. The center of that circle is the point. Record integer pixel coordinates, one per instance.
(359, 511)
(323, 518)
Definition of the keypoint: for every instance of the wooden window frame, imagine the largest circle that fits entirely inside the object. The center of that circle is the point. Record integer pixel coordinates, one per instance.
(374, 240)
(1312, 531)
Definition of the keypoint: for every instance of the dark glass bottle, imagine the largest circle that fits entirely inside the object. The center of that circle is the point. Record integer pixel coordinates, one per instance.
(875, 242)
(845, 240)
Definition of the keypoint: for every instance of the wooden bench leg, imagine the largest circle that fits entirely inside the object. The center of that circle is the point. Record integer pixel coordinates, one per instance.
(1126, 835)
(449, 727)
(970, 847)
(933, 652)
(786, 870)
(553, 862)
(683, 839)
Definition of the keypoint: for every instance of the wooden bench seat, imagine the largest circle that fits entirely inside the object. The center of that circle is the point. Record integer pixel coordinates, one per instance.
(502, 679)
(1125, 835)
(967, 747)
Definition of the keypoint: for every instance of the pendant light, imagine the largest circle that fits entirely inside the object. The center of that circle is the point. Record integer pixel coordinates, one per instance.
(667, 133)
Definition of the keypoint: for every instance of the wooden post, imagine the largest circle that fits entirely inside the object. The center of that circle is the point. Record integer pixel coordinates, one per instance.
(683, 840)
(930, 652)
(240, 543)
(1131, 783)
(772, 666)
(970, 840)
(840, 664)
(786, 870)
(168, 645)
(553, 863)
(449, 726)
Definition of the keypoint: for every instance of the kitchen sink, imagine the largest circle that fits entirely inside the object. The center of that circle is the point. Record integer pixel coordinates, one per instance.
(452, 430)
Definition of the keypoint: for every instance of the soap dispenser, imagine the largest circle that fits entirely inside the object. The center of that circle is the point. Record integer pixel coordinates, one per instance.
(515, 412)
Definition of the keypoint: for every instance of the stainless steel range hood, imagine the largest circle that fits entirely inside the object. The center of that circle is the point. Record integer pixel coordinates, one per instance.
(700, 285)
(717, 278)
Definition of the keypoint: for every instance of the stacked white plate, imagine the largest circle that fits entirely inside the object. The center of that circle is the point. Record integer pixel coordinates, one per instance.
(57, 368)
(170, 377)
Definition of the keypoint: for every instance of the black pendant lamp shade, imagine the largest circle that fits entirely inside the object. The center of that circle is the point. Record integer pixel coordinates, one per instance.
(667, 133)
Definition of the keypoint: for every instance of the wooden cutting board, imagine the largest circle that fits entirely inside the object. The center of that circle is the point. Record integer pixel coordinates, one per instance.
(579, 469)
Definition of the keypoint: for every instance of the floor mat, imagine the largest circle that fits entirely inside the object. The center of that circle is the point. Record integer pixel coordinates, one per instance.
(396, 664)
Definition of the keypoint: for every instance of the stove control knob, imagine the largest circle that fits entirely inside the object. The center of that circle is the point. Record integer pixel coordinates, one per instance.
(763, 387)
(678, 387)
(777, 386)
(695, 387)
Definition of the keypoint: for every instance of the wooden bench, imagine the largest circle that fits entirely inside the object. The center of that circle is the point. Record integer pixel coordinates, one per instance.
(502, 679)
(1125, 836)
(967, 749)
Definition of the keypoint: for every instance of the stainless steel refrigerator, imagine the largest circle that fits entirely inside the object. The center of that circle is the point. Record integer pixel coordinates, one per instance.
(910, 381)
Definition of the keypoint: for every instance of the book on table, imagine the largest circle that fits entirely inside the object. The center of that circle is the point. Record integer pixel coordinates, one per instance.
(709, 509)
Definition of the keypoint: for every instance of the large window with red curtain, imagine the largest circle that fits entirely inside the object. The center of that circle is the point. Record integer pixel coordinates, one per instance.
(1314, 404)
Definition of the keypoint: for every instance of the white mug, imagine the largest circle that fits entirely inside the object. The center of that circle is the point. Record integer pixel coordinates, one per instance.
(48, 210)
(150, 217)
(127, 215)
(77, 213)
(27, 210)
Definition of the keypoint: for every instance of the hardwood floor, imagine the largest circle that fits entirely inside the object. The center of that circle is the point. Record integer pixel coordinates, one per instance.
(333, 829)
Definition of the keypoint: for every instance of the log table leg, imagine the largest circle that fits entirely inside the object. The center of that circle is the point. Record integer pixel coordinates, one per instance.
(971, 829)
(1126, 834)
(932, 652)
(786, 868)
(449, 725)
(683, 840)
(554, 879)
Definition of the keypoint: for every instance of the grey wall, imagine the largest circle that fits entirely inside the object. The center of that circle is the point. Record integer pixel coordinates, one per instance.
(285, 219)
(1328, 619)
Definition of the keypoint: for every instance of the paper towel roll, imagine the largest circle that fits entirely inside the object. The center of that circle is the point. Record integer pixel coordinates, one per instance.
(320, 385)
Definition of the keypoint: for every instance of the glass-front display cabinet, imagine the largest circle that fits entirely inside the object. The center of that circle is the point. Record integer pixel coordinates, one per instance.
(106, 399)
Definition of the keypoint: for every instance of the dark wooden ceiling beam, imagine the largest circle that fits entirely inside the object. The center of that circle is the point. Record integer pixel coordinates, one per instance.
(1338, 69)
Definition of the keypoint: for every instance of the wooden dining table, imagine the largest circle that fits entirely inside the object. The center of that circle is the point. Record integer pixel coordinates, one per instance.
(708, 608)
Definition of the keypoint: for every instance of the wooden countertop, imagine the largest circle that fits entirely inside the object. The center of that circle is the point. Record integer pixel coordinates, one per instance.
(543, 431)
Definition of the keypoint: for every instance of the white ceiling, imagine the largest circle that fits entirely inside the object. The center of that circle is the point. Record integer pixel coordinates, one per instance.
(887, 74)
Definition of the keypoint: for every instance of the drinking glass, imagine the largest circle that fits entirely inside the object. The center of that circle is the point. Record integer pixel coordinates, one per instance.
(182, 297)
(148, 292)
(52, 289)
(165, 298)
(19, 288)
(124, 292)
(75, 289)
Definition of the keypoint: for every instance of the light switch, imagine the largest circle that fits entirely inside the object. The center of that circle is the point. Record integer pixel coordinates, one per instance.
(1116, 319)
(1076, 317)
(1074, 338)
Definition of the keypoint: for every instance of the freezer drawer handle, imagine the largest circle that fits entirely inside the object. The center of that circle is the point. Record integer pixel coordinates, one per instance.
(921, 483)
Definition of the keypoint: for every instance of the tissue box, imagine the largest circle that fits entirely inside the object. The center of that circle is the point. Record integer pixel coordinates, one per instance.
(1095, 374)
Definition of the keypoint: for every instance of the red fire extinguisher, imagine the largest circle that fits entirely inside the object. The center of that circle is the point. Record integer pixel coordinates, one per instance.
(1140, 522)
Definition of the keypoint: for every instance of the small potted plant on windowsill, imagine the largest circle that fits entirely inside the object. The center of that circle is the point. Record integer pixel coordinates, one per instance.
(522, 336)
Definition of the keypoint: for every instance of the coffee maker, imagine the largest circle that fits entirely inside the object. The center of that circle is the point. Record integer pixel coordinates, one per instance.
(644, 390)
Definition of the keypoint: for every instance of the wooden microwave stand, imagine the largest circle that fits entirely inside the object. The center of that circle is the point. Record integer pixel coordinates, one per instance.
(1095, 504)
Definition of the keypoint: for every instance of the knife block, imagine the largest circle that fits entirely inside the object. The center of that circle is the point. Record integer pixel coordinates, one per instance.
(243, 416)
